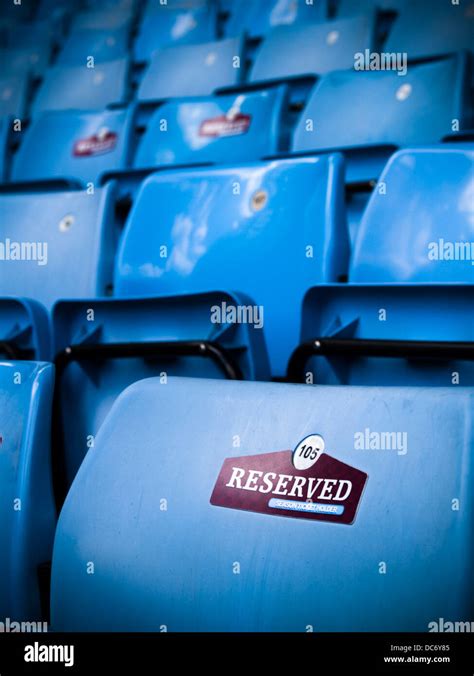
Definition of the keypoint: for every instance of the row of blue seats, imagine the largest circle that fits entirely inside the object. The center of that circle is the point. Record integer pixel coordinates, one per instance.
(180, 21)
(233, 272)
(176, 239)
(202, 67)
(431, 104)
(308, 51)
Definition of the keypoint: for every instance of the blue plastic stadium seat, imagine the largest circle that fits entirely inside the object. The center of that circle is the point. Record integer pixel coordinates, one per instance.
(192, 70)
(14, 95)
(102, 46)
(412, 279)
(24, 330)
(27, 513)
(311, 50)
(19, 61)
(249, 229)
(74, 146)
(368, 113)
(256, 18)
(162, 26)
(161, 548)
(103, 19)
(89, 385)
(446, 27)
(240, 127)
(57, 245)
(82, 88)
(422, 229)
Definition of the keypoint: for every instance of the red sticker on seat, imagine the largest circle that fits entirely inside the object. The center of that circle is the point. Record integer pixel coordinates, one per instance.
(269, 483)
(95, 145)
(217, 127)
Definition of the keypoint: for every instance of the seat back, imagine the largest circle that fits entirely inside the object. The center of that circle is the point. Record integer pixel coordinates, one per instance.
(81, 145)
(27, 513)
(55, 245)
(248, 228)
(311, 50)
(238, 516)
(83, 45)
(418, 226)
(256, 18)
(447, 27)
(163, 26)
(234, 128)
(385, 109)
(81, 88)
(192, 70)
(412, 263)
(34, 59)
(103, 19)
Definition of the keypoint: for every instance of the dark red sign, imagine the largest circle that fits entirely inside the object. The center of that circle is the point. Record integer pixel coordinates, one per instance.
(269, 483)
(95, 145)
(225, 126)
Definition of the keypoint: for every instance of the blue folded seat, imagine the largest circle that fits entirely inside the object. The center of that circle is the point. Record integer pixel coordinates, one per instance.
(308, 51)
(256, 18)
(447, 27)
(83, 88)
(82, 45)
(192, 513)
(57, 245)
(106, 18)
(269, 230)
(164, 26)
(21, 61)
(368, 114)
(238, 127)
(81, 146)
(215, 129)
(192, 70)
(196, 273)
(406, 315)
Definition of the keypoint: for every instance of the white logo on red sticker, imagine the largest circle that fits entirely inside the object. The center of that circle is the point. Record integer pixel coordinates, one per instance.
(103, 142)
(225, 125)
